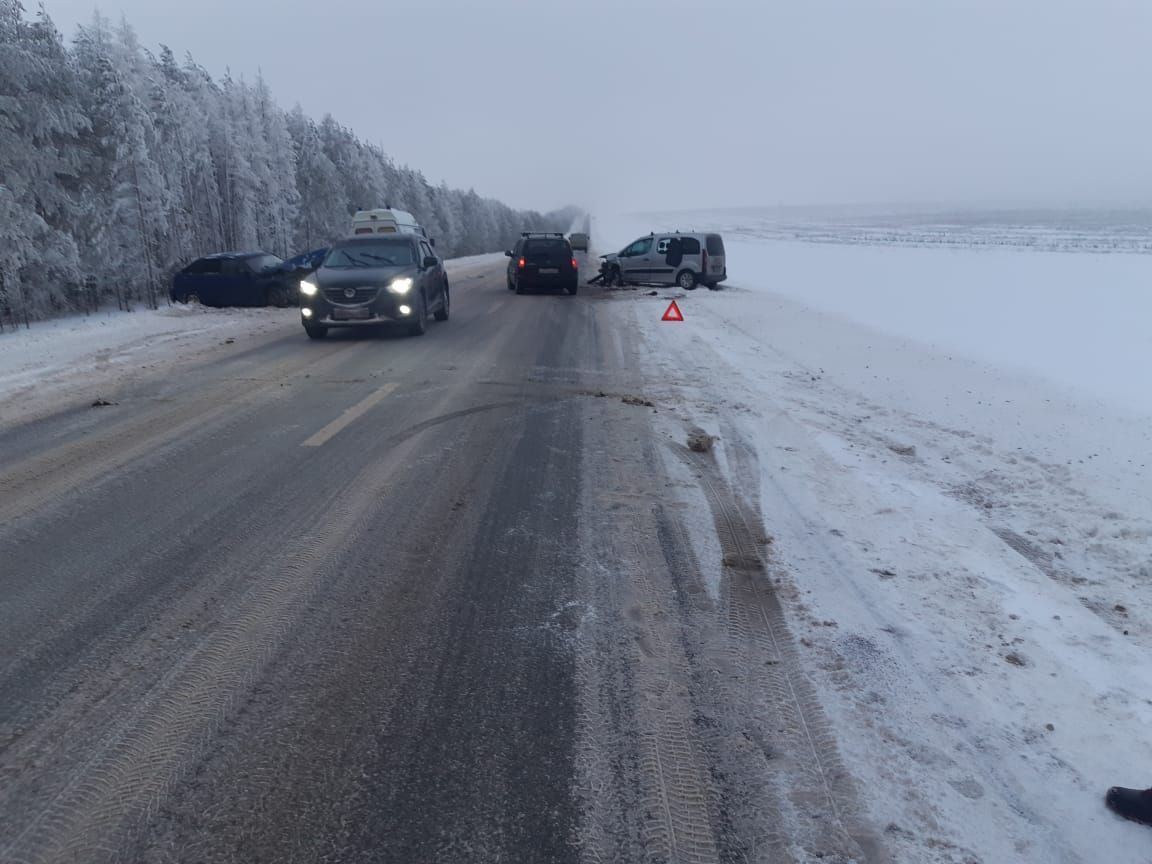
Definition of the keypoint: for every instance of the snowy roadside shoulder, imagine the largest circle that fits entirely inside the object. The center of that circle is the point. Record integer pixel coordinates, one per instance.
(472, 264)
(964, 552)
(70, 361)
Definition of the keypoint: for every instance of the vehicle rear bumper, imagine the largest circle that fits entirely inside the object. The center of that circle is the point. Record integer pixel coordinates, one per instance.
(549, 280)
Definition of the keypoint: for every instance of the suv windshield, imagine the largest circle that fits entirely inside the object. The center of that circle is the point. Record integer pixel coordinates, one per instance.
(381, 253)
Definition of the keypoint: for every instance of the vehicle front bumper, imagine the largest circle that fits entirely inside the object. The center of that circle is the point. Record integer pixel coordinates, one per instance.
(384, 308)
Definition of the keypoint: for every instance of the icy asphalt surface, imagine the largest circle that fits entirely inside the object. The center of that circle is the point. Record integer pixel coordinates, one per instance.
(398, 599)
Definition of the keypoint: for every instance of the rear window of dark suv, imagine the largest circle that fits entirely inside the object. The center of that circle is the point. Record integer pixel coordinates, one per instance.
(543, 245)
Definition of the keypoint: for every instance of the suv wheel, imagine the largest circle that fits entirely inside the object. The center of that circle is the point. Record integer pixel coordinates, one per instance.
(315, 331)
(686, 279)
(442, 312)
(519, 286)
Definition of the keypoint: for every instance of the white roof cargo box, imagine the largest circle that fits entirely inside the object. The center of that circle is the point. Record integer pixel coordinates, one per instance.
(384, 221)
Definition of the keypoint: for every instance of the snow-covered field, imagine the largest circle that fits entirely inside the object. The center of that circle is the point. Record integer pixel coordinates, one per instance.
(954, 458)
(75, 360)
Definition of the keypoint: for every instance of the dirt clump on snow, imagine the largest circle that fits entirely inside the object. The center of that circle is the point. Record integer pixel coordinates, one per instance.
(637, 400)
(742, 561)
(700, 441)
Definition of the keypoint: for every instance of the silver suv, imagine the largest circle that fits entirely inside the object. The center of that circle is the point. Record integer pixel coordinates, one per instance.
(671, 258)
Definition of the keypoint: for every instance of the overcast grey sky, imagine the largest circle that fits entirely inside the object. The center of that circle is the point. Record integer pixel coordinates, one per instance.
(637, 104)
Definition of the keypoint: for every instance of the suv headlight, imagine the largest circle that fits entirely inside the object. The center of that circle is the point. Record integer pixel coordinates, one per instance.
(308, 289)
(401, 286)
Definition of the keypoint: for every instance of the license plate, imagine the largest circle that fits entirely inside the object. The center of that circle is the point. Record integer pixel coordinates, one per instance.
(350, 314)
(549, 270)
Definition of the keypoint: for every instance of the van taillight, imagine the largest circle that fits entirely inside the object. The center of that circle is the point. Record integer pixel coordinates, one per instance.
(575, 266)
(522, 264)
(704, 261)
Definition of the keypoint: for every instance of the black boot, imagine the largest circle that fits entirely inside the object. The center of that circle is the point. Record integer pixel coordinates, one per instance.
(1134, 804)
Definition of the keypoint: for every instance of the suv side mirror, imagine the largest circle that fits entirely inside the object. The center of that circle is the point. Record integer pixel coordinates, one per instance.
(430, 261)
(507, 253)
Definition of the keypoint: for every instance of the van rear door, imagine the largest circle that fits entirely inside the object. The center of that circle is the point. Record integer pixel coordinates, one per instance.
(546, 256)
(716, 267)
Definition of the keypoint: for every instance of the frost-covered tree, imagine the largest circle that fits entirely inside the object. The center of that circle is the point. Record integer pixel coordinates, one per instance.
(118, 167)
(126, 197)
(40, 121)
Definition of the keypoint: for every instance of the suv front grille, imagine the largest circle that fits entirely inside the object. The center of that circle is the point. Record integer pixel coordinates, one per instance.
(360, 294)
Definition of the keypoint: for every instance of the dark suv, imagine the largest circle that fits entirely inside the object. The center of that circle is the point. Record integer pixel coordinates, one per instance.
(375, 280)
(541, 260)
(234, 279)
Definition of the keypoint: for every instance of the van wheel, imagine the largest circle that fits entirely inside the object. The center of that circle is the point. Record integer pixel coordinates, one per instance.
(277, 296)
(686, 279)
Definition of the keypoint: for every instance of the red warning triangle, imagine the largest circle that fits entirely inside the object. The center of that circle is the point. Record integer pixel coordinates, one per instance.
(672, 313)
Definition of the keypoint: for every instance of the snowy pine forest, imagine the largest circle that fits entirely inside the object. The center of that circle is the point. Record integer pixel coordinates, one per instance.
(119, 166)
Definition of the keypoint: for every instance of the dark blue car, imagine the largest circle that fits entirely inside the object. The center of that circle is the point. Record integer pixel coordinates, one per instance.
(235, 279)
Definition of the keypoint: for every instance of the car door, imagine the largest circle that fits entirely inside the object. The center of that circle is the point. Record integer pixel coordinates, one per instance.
(209, 282)
(199, 279)
(634, 260)
(666, 259)
(257, 278)
(232, 286)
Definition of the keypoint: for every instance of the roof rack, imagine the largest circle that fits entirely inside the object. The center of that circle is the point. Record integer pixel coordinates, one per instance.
(541, 233)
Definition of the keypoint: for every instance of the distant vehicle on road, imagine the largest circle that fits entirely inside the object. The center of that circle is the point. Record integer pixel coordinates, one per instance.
(385, 221)
(385, 279)
(670, 258)
(579, 241)
(542, 260)
(234, 279)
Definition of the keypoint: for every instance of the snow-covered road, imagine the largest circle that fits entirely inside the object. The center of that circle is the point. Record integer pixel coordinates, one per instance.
(899, 612)
(962, 520)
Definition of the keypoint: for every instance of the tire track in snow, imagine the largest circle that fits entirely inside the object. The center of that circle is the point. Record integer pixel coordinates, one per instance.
(134, 762)
(800, 748)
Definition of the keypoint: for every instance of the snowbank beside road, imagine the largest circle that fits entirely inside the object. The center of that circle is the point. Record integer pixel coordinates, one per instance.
(962, 521)
(1078, 319)
(70, 360)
